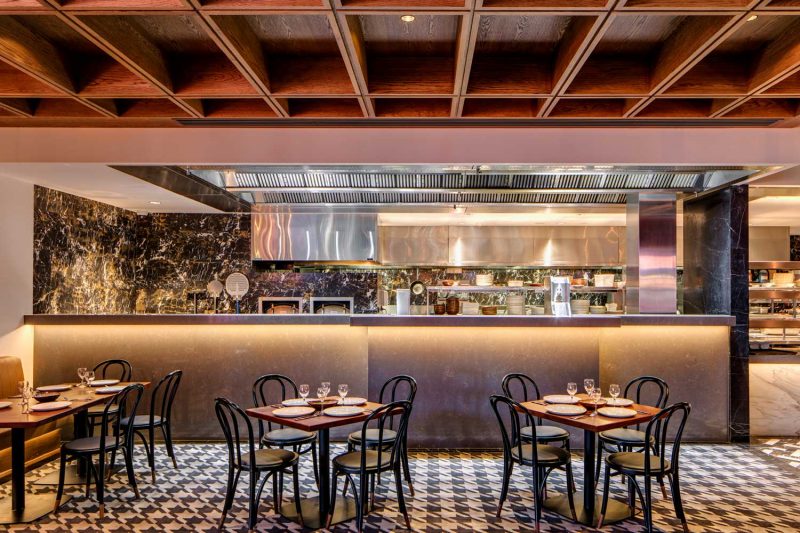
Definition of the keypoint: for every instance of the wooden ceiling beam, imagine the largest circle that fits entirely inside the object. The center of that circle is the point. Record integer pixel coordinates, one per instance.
(34, 55)
(243, 43)
(354, 68)
(355, 55)
(18, 106)
(465, 53)
(778, 60)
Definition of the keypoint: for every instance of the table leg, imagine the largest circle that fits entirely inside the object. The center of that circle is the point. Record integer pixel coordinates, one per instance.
(324, 473)
(21, 508)
(589, 452)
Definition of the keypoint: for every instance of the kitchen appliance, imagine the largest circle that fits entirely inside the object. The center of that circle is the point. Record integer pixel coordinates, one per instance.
(403, 301)
(331, 305)
(237, 285)
(557, 296)
(214, 289)
(280, 305)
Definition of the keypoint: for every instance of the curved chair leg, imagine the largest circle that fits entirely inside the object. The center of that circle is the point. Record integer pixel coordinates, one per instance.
(296, 488)
(233, 480)
(276, 493)
(128, 455)
(151, 451)
(675, 488)
(663, 488)
(508, 468)
(648, 505)
(89, 474)
(363, 490)
(406, 469)
(538, 493)
(598, 461)
(150, 460)
(166, 428)
(332, 505)
(401, 499)
(604, 505)
(570, 498)
(101, 480)
(372, 492)
(62, 470)
(252, 504)
(261, 484)
(569, 451)
(314, 461)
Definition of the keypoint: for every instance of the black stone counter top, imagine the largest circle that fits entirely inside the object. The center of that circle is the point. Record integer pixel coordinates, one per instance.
(387, 320)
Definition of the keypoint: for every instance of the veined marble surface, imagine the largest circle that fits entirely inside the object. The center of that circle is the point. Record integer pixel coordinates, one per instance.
(775, 400)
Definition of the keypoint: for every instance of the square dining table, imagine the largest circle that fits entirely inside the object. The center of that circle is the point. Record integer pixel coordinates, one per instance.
(588, 513)
(315, 510)
(22, 508)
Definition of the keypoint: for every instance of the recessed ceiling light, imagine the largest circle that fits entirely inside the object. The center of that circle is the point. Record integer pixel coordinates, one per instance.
(407, 18)
(459, 209)
(752, 18)
(155, 203)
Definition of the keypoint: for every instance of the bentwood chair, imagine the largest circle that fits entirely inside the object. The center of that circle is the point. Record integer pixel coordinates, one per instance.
(120, 438)
(109, 369)
(368, 462)
(652, 462)
(161, 400)
(244, 457)
(398, 388)
(541, 458)
(276, 436)
(627, 439)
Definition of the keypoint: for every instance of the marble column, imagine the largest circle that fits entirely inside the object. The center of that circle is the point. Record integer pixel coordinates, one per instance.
(716, 282)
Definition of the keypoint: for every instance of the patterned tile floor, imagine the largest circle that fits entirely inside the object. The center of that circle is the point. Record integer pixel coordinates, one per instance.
(726, 488)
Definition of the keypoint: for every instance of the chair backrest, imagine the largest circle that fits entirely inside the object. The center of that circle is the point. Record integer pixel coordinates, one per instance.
(398, 388)
(163, 396)
(236, 427)
(527, 387)
(128, 401)
(648, 385)
(114, 369)
(513, 410)
(659, 427)
(264, 387)
(382, 419)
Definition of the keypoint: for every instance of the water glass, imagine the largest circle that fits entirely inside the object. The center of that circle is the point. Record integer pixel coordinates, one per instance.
(321, 394)
(613, 391)
(343, 390)
(588, 384)
(82, 377)
(89, 376)
(304, 390)
(572, 389)
(327, 386)
(595, 397)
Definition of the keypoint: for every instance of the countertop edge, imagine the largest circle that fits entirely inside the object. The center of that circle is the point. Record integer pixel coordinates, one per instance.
(388, 321)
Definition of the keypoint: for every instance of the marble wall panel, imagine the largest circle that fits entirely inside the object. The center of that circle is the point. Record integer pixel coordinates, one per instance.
(775, 400)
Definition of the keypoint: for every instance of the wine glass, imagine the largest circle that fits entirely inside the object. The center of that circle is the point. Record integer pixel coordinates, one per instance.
(572, 389)
(26, 392)
(588, 384)
(304, 390)
(20, 389)
(321, 394)
(327, 386)
(82, 377)
(595, 397)
(89, 376)
(613, 391)
(343, 389)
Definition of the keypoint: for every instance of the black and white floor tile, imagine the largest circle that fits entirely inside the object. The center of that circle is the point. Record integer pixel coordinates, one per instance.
(726, 488)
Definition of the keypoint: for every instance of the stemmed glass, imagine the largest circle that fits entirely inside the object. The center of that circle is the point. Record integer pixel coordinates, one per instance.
(613, 391)
(304, 390)
(343, 390)
(595, 397)
(82, 376)
(572, 389)
(321, 394)
(588, 384)
(25, 392)
(327, 386)
(89, 376)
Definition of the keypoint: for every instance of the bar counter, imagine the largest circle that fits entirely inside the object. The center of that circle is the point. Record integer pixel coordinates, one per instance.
(458, 361)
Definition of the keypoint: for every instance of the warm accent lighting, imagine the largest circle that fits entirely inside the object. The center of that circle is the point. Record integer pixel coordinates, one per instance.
(155, 203)
(752, 18)
(407, 18)
(459, 209)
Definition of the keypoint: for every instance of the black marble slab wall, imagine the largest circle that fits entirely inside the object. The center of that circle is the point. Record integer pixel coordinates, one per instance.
(716, 282)
(794, 253)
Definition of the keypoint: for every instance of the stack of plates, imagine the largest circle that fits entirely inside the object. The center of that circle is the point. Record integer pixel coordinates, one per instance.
(579, 307)
(470, 308)
(514, 283)
(515, 304)
(597, 309)
(483, 280)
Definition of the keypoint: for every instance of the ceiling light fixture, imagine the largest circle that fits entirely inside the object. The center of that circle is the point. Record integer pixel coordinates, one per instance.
(752, 18)
(459, 209)
(155, 203)
(407, 18)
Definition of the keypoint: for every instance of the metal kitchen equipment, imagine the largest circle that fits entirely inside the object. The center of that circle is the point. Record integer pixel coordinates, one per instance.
(278, 304)
(237, 285)
(556, 299)
(317, 304)
(215, 289)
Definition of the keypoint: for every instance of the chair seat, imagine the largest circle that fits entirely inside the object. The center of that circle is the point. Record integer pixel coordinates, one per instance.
(547, 455)
(373, 436)
(271, 458)
(351, 462)
(89, 444)
(630, 437)
(97, 410)
(633, 462)
(287, 436)
(544, 433)
(141, 421)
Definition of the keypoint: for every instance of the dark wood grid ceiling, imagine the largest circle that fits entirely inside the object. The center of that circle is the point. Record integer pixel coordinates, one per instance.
(155, 62)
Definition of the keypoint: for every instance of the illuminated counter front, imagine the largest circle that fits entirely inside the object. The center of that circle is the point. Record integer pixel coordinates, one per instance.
(457, 367)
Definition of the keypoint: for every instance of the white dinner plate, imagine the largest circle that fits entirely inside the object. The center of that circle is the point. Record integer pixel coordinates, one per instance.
(293, 412)
(566, 410)
(110, 390)
(3, 405)
(355, 400)
(294, 402)
(54, 388)
(104, 382)
(50, 406)
(343, 410)
(560, 398)
(616, 412)
(619, 402)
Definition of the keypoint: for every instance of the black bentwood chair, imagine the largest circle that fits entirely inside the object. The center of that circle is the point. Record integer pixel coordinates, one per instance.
(108, 369)
(652, 463)
(626, 439)
(161, 400)
(281, 436)
(541, 458)
(368, 463)
(238, 432)
(398, 388)
(120, 438)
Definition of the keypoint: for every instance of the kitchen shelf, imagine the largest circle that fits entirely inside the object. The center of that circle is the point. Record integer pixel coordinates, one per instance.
(500, 289)
(774, 265)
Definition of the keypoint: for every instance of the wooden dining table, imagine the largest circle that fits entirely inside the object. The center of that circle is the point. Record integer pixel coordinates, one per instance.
(21, 507)
(588, 513)
(315, 510)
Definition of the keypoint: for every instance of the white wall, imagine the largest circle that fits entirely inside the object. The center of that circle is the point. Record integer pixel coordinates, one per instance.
(16, 270)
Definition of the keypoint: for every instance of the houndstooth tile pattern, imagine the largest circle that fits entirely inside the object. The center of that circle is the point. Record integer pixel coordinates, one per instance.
(726, 488)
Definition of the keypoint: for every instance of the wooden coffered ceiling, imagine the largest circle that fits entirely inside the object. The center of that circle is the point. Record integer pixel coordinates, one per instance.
(179, 62)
